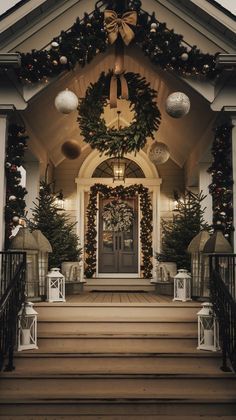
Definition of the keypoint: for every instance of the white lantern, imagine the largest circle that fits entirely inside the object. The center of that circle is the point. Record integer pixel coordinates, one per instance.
(208, 329)
(66, 102)
(182, 286)
(159, 153)
(177, 105)
(27, 327)
(55, 286)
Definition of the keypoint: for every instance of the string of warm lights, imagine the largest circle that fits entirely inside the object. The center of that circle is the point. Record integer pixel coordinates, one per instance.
(88, 37)
(120, 192)
(15, 193)
(222, 180)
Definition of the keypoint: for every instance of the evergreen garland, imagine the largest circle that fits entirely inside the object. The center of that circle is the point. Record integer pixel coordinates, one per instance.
(15, 193)
(117, 142)
(145, 223)
(221, 187)
(87, 38)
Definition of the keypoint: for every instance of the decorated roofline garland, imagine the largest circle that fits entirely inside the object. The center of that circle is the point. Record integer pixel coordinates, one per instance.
(117, 142)
(87, 38)
(15, 193)
(221, 187)
(120, 192)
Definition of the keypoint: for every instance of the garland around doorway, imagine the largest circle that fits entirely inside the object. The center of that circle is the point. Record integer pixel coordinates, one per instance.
(119, 192)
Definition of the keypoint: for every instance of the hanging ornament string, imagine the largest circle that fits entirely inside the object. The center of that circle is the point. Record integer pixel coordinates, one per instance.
(116, 26)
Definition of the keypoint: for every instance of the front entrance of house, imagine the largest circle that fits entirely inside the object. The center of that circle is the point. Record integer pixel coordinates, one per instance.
(118, 236)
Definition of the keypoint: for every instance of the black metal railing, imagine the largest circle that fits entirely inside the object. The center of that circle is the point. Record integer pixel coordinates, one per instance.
(223, 297)
(12, 289)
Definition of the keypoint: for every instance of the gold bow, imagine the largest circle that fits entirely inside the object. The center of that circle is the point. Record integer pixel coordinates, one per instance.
(113, 89)
(116, 26)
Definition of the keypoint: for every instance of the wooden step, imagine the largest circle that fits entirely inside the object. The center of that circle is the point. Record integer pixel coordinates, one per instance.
(114, 344)
(27, 364)
(114, 409)
(111, 327)
(131, 386)
(117, 312)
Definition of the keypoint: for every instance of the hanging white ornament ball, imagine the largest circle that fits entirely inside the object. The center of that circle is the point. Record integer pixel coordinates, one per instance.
(159, 153)
(12, 198)
(15, 219)
(63, 59)
(66, 102)
(177, 105)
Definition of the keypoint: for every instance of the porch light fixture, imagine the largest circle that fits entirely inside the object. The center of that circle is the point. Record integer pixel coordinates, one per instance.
(118, 170)
(182, 286)
(59, 201)
(208, 328)
(27, 327)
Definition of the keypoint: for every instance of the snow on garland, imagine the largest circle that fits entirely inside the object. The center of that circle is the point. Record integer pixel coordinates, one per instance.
(118, 216)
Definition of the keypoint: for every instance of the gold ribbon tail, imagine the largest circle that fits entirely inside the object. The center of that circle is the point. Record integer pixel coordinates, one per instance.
(124, 87)
(113, 92)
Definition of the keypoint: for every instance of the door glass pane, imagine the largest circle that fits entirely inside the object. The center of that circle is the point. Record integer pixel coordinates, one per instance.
(107, 238)
(128, 240)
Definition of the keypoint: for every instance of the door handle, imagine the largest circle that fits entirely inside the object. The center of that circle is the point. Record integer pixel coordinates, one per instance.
(119, 242)
(116, 243)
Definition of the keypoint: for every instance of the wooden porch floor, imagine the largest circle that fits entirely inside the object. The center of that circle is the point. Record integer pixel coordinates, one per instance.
(118, 297)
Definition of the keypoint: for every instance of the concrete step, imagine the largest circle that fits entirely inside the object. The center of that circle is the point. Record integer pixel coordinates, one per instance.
(102, 312)
(55, 364)
(109, 327)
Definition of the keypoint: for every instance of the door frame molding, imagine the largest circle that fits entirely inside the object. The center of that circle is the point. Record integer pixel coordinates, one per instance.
(152, 181)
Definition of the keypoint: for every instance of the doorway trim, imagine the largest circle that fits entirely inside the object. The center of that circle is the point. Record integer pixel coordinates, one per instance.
(84, 181)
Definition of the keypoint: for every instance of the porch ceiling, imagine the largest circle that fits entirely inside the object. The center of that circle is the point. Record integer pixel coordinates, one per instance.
(52, 129)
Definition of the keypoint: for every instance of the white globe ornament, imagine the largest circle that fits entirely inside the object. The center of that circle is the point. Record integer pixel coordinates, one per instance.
(54, 44)
(159, 153)
(177, 104)
(12, 198)
(63, 59)
(15, 219)
(184, 56)
(66, 102)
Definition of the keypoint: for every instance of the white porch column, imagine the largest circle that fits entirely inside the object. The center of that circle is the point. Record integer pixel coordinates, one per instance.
(4, 110)
(204, 182)
(80, 220)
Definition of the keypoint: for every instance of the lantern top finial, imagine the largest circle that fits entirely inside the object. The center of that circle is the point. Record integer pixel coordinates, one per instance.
(207, 309)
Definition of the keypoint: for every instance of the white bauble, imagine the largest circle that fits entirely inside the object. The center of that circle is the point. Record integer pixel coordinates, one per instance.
(177, 105)
(184, 56)
(159, 153)
(63, 59)
(66, 102)
(15, 219)
(12, 198)
(54, 44)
